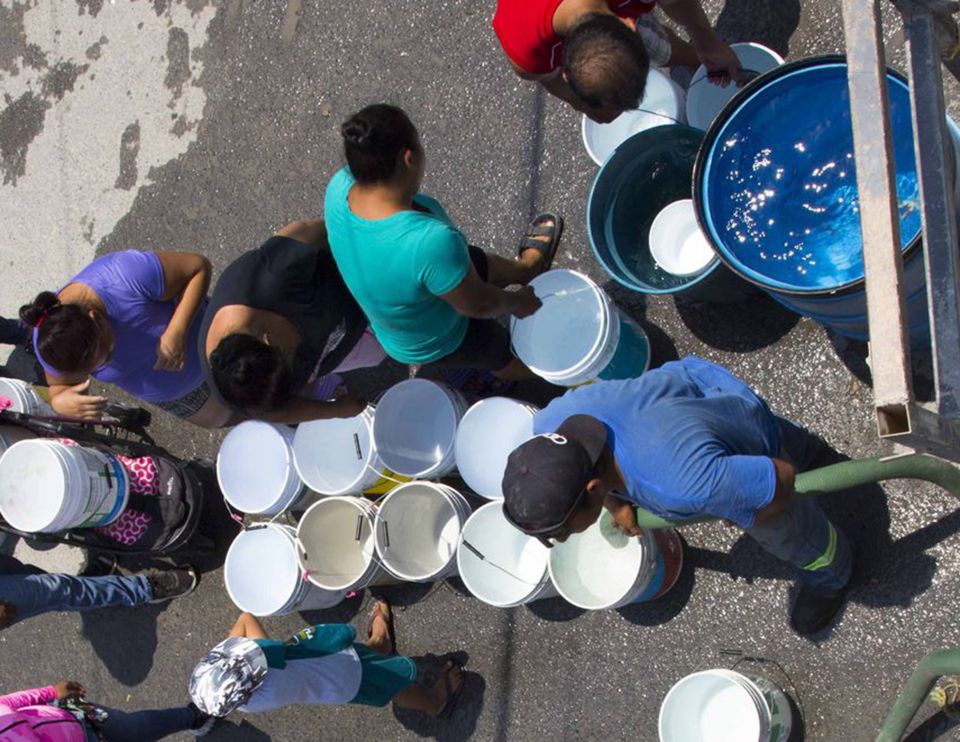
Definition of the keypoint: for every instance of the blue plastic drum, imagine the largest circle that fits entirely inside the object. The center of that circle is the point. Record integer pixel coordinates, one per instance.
(775, 188)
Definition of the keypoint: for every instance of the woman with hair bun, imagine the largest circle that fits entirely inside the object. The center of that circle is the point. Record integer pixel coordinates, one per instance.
(129, 319)
(279, 323)
(431, 298)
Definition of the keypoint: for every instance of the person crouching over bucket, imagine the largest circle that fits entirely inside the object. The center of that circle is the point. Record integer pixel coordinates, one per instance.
(320, 665)
(686, 440)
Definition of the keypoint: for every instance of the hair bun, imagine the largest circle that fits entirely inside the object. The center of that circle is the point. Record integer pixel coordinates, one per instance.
(356, 131)
(31, 314)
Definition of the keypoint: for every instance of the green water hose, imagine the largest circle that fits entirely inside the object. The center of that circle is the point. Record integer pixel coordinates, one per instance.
(931, 667)
(846, 475)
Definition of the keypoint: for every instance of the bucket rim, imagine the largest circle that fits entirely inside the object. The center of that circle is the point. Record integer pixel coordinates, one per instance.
(700, 166)
(730, 675)
(286, 494)
(279, 528)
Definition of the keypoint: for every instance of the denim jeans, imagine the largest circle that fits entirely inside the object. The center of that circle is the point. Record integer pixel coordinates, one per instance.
(33, 592)
(142, 726)
(803, 535)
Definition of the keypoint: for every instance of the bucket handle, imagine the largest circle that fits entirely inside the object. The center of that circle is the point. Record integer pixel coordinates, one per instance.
(482, 557)
(742, 657)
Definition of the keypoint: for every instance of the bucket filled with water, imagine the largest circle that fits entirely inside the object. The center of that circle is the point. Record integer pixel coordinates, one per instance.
(417, 529)
(705, 100)
(663, 103)
(263, 576)
(256, 471)
(23, 397)
(776, 193)
(647, 174)
(48, 486)
(499, 564)
(724, 705)
(339, 456)
(335, 544)
(488, 434)
(415, 426)
(602, 568)
(578, 335)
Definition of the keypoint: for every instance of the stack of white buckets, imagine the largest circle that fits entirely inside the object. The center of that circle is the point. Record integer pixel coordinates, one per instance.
(47, 485)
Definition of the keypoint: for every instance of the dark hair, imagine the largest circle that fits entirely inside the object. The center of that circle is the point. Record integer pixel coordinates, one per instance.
(250, 374)
(605, 63)
(67, 337)
(374, 139)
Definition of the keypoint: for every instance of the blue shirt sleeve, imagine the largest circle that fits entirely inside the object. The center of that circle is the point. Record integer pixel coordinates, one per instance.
(442, 260)
(741, 486)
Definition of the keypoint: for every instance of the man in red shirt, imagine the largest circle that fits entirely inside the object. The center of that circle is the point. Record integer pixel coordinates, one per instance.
(595, 54)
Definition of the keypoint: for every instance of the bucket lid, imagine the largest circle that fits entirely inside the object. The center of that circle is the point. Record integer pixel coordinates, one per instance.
(567, 330)
(709, 706)
(676, 241)
(261, 571)
(596, 568)
(514, 565)
(414, 427)
(255, 465)
(33, 485)
(332, 455)
(662, 104)
(705, 100)
(488, 434)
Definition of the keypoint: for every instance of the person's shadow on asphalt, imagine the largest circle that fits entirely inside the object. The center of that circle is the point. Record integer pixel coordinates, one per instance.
(461, 722)
(125, 639)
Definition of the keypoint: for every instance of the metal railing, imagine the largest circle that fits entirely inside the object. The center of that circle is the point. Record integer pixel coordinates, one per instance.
(930, 31)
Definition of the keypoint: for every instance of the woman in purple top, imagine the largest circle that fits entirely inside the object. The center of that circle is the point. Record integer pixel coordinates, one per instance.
(130, 319)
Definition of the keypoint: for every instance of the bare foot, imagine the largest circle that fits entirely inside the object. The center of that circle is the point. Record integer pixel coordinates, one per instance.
(378, 634)
(446, 687)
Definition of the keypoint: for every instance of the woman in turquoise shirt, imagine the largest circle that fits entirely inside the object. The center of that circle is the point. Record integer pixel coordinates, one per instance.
(430, 297)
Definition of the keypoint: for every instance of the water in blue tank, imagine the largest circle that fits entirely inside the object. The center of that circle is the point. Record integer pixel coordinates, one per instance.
(781, 189)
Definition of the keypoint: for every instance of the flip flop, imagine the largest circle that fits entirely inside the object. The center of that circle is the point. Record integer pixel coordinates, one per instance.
(453, 696)
(538, 228)
(383, 608)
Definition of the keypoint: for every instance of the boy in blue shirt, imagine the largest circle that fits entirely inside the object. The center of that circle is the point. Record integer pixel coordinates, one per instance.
(686, 440)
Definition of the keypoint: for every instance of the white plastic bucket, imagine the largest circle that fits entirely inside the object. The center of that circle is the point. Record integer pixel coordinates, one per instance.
(488, 434)
(725, 706)
(263, 576)
(415, 425)
(255, 468)
(339, 456)
(677, 243)
(705, 100)
(48, 486)
(335, 544)
(10, 434)
(417, 530)
(602, 568)
(499, 564)
(578, 335)
(25, 397)
(663, 103)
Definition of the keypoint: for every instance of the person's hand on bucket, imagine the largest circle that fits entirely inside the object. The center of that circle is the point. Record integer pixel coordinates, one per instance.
(625, 518)
(723, 66)
(525, 302)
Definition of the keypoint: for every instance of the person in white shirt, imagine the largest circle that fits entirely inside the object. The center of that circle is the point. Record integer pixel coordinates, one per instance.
(320, 665)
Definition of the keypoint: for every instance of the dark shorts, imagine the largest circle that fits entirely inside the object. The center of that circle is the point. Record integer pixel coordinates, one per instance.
(189, 404)
(383, 677)
(487, 343)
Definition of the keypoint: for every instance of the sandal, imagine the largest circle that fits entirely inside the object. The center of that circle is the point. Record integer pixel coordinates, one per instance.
(539, 228)
(383, 608)
(453, 696)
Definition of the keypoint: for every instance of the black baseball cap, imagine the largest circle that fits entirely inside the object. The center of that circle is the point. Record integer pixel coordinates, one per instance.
(545, 478)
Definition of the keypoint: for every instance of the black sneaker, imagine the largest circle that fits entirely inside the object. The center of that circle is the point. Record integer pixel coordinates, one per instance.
(813, 610)
(203, 723)
(173, 583)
